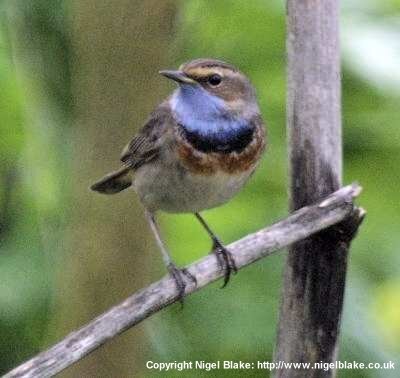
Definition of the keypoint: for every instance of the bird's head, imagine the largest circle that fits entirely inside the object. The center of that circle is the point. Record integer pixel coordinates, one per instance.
(205, 83)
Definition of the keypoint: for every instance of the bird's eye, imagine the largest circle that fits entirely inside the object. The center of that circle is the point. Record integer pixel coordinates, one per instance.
(214, 80)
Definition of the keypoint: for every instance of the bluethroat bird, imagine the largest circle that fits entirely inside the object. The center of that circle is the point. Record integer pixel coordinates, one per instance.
(195, 152)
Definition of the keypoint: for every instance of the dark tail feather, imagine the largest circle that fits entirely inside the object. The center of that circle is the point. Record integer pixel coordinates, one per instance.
(114, 182)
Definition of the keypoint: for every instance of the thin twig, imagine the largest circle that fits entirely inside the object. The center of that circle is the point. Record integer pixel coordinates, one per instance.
(299, 225)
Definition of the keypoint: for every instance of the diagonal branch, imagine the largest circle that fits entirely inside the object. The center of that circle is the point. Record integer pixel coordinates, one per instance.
(297, 226)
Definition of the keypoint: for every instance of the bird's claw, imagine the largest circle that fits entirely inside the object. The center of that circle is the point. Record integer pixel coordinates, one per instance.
(225, 261)
(177, 275)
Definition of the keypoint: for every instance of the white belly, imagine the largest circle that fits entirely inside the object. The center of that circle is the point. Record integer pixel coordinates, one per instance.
(174, 189)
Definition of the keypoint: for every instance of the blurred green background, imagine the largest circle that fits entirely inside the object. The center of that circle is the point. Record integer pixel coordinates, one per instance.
(77, 79)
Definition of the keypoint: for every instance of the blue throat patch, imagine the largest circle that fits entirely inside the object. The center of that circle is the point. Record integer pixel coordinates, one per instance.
(207, 122)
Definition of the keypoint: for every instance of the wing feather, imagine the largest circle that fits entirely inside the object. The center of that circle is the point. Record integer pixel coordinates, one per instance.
(145, 146)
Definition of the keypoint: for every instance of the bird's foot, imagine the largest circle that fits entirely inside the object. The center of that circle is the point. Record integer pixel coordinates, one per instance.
(178, 276)
(225, 260)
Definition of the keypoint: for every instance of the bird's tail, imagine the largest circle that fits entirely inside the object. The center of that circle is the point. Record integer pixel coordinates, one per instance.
(114, 182)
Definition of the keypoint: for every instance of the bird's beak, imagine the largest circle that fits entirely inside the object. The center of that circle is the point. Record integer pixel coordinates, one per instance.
(178, 76)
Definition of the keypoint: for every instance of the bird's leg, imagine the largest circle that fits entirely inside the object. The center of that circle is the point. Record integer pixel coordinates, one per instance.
(177, 274)
(224, 257)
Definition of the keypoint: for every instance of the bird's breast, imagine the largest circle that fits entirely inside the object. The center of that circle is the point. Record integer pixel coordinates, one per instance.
(224, 141)
(185, 179)
(208, 162)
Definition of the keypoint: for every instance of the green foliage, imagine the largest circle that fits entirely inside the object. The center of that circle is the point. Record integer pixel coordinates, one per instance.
(238, 322)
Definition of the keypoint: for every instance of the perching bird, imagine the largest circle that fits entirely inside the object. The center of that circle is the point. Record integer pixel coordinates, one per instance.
(195, 152)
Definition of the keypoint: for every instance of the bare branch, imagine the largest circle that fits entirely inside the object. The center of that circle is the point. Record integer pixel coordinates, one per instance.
(299, 225)
(315, 273)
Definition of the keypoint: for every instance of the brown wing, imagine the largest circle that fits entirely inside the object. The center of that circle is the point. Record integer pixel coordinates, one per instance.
(145, 146)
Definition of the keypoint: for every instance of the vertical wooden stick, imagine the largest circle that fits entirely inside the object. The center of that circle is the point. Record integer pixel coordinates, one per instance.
(315, 271)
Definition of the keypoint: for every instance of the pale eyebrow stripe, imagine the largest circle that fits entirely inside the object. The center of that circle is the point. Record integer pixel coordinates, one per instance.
(207, 71)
